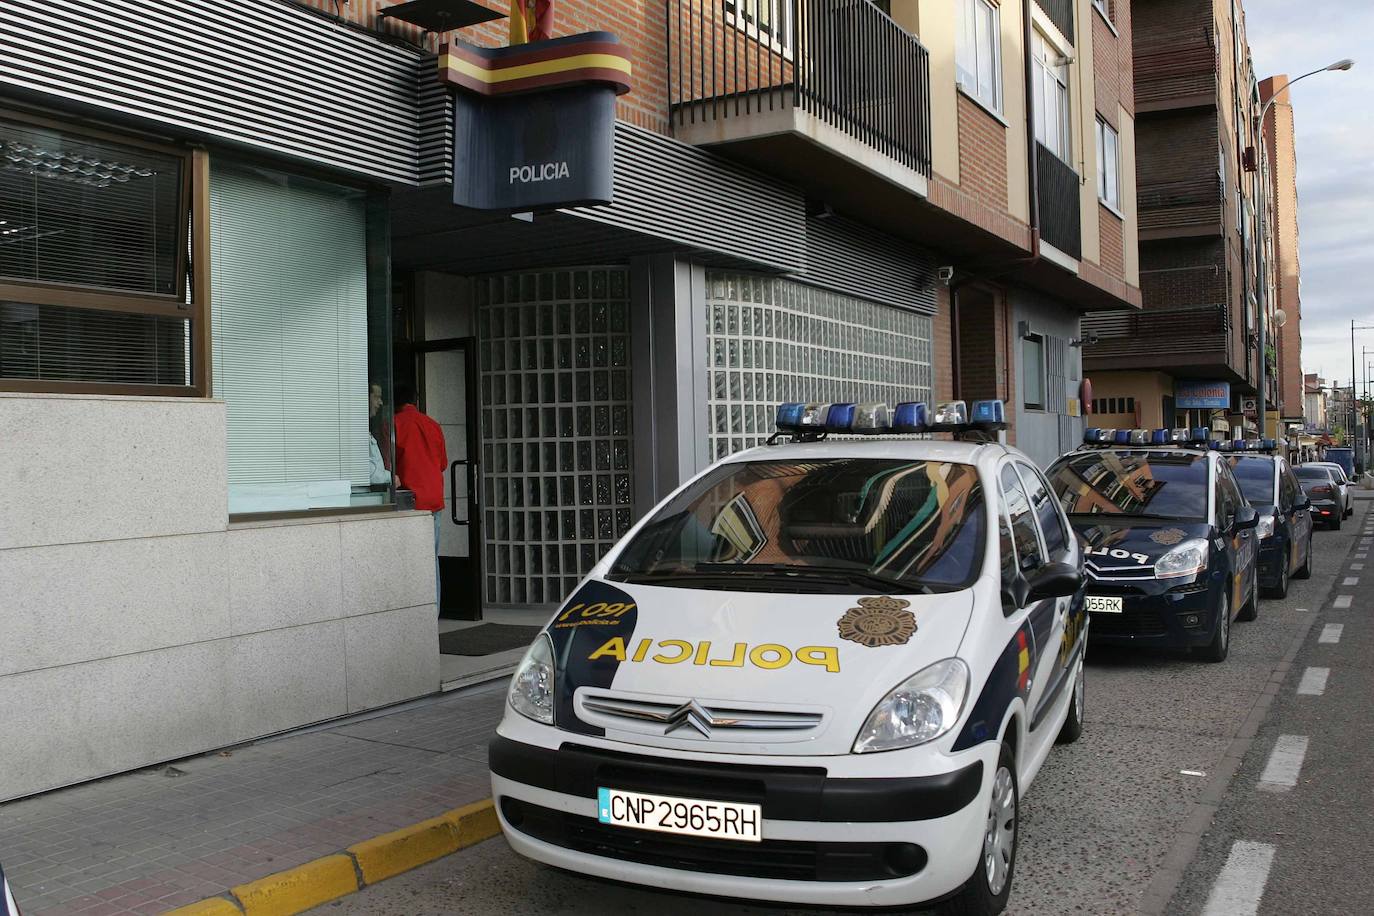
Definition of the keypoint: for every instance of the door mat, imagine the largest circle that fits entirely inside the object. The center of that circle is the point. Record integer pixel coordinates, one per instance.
(486, 639)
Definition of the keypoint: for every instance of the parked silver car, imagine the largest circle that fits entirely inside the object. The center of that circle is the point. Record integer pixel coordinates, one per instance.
(1347, 501)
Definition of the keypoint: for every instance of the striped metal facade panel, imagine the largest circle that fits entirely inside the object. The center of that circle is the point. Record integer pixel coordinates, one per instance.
(851, 258)
(677, 192)
(262, 73)
(434, 102)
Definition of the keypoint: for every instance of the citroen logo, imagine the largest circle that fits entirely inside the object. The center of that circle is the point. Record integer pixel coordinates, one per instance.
(691, 714)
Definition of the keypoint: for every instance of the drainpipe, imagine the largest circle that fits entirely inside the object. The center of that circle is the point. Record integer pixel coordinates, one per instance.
(1032, 168)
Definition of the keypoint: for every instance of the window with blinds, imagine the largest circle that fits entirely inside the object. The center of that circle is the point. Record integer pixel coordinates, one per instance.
(95, 291)
(290, 323)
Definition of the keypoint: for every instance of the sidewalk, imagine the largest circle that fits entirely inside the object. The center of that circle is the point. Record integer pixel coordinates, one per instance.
(152, 840)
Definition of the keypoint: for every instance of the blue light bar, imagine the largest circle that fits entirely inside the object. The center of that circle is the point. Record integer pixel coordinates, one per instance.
(1160, 437)
(840, 418)
(988, 414)
(1268, 443)
(1180, 436)
(1237, 445)
(910, 417)
(1095, 436)
(794, 417)
(1202, 434)
(1122, 437)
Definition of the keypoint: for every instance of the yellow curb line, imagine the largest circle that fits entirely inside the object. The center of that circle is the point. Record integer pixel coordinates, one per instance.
(298, 889)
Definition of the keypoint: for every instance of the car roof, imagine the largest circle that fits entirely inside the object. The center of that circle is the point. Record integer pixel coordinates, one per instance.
(943, 450)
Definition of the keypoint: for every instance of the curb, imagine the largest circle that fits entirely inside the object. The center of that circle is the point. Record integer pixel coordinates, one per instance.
(298, 889)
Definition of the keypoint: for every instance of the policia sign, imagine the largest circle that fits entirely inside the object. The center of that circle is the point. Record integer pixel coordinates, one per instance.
(534, 124)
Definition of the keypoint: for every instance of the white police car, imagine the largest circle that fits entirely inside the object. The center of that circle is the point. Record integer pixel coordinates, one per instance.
(820, 672)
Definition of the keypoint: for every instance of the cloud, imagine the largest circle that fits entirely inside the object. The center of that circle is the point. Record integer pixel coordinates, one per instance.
(1335, 179)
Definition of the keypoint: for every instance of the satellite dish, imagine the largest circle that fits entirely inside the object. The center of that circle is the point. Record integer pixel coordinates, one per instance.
(1280, 317)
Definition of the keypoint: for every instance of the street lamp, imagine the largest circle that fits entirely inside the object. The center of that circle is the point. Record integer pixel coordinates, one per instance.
(1262, 410)
(1354, 413)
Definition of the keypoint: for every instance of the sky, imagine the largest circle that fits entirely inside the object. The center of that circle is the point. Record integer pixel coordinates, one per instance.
(1334, 123)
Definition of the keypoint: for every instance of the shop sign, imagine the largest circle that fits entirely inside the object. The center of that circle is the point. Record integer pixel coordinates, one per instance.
(534, 124)
(1202, 395)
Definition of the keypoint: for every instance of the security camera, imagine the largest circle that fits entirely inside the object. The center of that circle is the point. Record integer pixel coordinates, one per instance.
(946, 274)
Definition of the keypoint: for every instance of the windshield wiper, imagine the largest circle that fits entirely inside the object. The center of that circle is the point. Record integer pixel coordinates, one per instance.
(860, 577)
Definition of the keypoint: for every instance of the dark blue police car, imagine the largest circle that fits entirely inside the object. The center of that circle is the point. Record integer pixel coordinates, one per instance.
(1169, 538)
(1285, 522)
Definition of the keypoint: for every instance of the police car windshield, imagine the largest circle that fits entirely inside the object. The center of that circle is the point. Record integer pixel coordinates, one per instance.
(1155, 485)
(834, 526)
(1255, 474)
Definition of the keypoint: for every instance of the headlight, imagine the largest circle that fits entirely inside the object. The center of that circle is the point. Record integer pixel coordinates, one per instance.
(531, 690)
(1184, 560)
(1265, 528)
(918, 710)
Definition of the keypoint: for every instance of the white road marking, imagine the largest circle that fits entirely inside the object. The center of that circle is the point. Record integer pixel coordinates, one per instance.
(1241, 883)
(1302, 610)
(1331, 633)
(1356, 567)
(1342, 601)
(1313, 683)
(1285, 763)
(1351, 580)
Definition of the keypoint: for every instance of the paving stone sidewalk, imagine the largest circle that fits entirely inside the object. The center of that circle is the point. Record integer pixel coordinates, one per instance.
(153, 840)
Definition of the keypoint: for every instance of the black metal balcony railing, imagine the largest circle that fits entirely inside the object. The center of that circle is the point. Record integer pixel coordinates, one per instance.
(844, 61)
(1060, 12)
(1059, 195)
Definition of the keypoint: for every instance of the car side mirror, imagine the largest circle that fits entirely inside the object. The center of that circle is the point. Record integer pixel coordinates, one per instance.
(1246, 518)
(1054, 580)
(1015, 593)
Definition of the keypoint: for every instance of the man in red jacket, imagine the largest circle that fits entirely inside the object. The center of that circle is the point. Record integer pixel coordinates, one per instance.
(421, 460)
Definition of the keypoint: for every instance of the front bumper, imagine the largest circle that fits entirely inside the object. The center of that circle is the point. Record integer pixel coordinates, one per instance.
(1158, 613)
(828, 839)
(1273, 561)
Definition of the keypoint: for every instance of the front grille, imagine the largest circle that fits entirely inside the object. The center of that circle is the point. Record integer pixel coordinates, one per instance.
(1129, 623)
(791, 860)
(683, 718)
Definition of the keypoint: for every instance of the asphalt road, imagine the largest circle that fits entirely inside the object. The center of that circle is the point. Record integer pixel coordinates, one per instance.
(1114, 823)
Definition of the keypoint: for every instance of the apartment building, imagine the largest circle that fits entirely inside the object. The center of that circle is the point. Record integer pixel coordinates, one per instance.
(1287, 286)
(802, 199)
(1191, 356)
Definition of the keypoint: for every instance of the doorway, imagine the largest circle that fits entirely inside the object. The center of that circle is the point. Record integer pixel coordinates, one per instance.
(448, 373)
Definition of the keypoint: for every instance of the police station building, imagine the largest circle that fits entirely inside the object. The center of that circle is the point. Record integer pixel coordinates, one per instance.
(223, 222)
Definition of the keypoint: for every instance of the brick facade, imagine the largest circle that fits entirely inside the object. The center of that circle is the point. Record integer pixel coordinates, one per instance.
(982, 154)
(1113, 74)
(1113, 251)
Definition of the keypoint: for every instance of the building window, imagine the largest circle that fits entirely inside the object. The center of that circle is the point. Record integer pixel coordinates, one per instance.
(298, 341)
(769, 21)
(978, 62)
(770, 341)
(1108, 165)
(1051, 99)
(557, 440)
(1111, 406)
(1033, 371)
(95, 245)
(1104, 8)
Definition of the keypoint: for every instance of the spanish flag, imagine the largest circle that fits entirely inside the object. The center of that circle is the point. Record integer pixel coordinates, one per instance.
(530, 20)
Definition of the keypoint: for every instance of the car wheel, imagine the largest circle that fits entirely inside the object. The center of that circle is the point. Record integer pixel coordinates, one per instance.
(1336, 523)
(1073, 723)
(985, 893)
(1278, 591)
(1305, 570)
(1250, 609)
(1220, 646)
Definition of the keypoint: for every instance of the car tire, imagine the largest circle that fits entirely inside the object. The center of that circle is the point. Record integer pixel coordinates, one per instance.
(1336, 523)
(1072, 728)
(1220, 646)
(976, 897)
(1278, 591)
(1305, 570)
(1250, 609)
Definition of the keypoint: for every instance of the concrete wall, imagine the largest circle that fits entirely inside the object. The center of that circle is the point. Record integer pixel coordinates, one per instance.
(137, 625)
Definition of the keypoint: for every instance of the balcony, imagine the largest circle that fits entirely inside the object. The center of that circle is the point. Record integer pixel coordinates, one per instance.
(830, 94)
(1186, 207)
(1059, 200)
(1194, 339)
(1060, 12)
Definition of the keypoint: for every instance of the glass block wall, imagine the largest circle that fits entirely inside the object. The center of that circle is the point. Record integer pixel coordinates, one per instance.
(557, 489)
(771, 340)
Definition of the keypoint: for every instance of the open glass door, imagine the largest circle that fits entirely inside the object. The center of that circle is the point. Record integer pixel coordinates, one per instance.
(448, 369)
